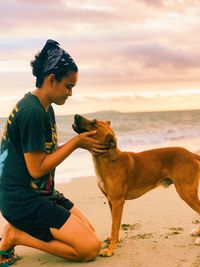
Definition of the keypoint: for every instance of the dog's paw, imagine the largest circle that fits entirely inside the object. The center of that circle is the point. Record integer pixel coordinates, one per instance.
(197, 241)
(106, 252)
(195, 232)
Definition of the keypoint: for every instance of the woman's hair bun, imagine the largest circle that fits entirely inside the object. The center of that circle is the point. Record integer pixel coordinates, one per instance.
(37, 63)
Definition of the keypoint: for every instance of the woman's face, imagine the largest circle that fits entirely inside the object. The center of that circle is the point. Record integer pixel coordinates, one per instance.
(61, 90)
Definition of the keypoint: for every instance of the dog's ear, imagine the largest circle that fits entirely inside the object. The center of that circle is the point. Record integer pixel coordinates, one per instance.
(111, 141)
(108, 123)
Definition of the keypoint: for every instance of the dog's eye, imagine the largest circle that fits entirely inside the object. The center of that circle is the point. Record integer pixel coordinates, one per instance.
(94, 123)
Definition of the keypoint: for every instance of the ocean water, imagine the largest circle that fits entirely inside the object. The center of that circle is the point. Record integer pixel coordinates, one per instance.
(134, 131)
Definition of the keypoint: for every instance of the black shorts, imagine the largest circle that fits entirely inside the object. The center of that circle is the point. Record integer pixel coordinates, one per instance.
(53, 213)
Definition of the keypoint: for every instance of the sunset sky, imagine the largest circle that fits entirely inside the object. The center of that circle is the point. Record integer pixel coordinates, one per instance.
(133, 55)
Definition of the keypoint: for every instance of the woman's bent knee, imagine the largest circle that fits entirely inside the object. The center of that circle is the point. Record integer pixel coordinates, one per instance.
(92, 251)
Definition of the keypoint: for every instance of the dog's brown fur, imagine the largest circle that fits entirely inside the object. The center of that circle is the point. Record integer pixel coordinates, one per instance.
(128, 175)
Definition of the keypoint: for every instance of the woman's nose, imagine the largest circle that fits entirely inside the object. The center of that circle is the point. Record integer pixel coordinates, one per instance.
(69, 92)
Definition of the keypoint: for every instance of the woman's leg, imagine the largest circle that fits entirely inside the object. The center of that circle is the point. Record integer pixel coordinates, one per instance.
(13, 236)
(79, 236)
(82, 217)
(73, 241)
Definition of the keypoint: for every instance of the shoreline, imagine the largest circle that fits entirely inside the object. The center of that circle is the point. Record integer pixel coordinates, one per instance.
(156, 229)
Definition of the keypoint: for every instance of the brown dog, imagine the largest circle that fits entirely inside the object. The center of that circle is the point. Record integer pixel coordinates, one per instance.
(128, 175)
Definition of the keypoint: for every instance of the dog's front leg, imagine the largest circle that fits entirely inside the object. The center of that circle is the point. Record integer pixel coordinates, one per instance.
(108, 239)
(117, 209)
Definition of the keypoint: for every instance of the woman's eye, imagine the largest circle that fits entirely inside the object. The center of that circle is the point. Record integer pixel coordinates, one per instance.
(69, 86)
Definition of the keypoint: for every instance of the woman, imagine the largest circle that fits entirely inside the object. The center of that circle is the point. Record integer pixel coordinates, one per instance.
(39, 216)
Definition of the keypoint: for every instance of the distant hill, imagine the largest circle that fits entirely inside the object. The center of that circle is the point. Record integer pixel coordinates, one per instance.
(104, 112)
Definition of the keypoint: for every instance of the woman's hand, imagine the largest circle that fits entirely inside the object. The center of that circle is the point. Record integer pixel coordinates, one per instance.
(85, 141)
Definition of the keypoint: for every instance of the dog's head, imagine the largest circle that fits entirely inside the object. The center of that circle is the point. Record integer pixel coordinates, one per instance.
(104, 132)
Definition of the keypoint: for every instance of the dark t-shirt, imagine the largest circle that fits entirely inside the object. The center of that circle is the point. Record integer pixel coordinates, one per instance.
(29, 128)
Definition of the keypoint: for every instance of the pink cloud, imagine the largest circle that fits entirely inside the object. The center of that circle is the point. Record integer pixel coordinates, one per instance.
(153, 2)
(154, 55)
(111, 41)
(16, 14)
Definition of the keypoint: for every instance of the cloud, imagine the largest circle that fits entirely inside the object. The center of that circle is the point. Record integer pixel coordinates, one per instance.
(129, 96)
(129, 102)
(120, 46)
(153, 2)
(156, 55)
(168, 93)
(53, 14)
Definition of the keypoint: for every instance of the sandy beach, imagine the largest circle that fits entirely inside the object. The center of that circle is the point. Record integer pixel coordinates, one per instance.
(155, 229)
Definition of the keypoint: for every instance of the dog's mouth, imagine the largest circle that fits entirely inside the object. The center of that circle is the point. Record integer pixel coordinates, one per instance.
(77, 127)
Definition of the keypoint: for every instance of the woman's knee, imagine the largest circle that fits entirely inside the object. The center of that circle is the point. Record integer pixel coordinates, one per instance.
(91, 251)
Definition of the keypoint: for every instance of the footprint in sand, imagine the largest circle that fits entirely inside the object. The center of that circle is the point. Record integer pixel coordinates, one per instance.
(130, 227)
(127, 228)
(174, 231)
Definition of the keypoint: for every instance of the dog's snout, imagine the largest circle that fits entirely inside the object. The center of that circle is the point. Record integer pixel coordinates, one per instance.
(77, 118)
(78, 124)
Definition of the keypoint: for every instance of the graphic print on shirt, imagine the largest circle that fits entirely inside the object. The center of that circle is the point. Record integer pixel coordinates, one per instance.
(4, 143)
(27, 117)
(52, 145)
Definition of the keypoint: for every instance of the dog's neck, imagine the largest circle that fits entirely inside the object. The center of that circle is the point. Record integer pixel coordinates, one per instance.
(110, 155)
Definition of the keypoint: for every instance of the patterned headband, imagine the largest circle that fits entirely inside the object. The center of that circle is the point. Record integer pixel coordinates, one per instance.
(56, 57)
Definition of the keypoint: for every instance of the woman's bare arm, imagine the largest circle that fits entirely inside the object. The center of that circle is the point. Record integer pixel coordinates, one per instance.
(40, 163)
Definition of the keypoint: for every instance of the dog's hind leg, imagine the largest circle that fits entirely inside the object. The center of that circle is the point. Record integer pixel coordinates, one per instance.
(191, 198)
(189, 193)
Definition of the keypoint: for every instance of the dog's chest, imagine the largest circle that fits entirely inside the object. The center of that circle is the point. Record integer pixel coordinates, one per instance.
(100, 181)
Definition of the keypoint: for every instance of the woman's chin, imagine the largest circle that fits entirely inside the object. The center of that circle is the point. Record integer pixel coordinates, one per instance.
(60, 102)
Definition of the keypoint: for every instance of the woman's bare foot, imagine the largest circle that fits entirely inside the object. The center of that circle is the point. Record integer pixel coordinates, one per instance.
(7, 244)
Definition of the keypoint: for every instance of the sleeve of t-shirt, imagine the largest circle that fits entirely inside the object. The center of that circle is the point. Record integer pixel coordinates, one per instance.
(32, 130)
